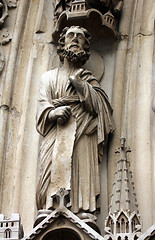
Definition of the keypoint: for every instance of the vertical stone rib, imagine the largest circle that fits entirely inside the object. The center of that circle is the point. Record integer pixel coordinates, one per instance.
(8, 82)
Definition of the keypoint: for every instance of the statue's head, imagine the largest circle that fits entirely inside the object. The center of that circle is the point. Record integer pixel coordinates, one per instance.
(74, 44)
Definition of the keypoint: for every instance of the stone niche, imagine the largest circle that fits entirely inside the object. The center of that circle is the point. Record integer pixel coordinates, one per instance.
(127, 81)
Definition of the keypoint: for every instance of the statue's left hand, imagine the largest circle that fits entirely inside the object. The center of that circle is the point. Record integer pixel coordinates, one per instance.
(77, 81)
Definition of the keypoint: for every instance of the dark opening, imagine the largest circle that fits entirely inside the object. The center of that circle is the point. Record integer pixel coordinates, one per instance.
(1, 9)
(7, 233)
(62, 234)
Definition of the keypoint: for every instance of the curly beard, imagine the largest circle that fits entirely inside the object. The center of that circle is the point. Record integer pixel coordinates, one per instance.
(81, 56)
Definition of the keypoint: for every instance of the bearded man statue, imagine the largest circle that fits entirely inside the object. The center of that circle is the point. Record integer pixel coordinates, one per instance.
(74, 117)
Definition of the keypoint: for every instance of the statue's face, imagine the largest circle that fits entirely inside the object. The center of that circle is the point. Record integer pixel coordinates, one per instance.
(75, 40)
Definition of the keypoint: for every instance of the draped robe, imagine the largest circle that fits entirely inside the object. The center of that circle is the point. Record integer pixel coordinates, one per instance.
(92, 115)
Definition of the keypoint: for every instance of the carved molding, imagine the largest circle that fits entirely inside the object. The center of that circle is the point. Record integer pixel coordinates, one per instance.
(149, 234)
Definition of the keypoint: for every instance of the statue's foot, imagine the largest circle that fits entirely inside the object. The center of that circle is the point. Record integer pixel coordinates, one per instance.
(42, 214)
(89, 219)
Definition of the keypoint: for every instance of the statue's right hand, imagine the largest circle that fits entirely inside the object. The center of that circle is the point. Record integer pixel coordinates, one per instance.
(61, 114)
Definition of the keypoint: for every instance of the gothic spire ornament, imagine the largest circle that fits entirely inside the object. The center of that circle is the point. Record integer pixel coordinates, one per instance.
(123, 221)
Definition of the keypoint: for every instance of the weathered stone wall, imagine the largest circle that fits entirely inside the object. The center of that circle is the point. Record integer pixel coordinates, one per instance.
(128, 80)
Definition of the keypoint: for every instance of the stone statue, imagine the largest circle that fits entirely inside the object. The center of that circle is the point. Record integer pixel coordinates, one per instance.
(74, 117)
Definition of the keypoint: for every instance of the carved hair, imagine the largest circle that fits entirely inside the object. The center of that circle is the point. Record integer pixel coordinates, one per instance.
(61, 46)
